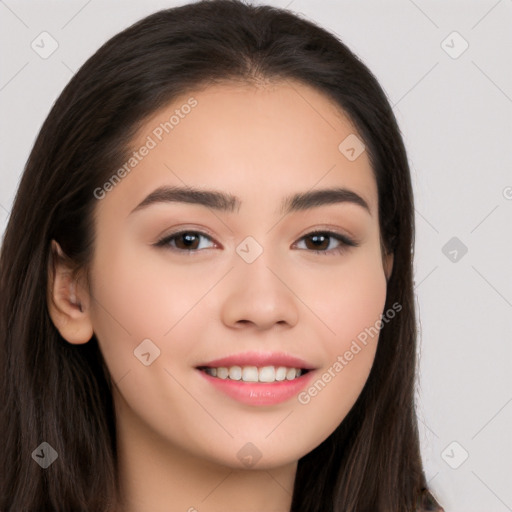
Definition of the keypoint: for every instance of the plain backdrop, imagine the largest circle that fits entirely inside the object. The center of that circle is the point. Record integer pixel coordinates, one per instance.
(447, 70)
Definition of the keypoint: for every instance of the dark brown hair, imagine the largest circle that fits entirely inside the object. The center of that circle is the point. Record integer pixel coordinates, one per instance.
(60, 393)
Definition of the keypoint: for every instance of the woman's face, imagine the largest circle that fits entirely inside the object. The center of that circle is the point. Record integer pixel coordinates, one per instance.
(244, 281)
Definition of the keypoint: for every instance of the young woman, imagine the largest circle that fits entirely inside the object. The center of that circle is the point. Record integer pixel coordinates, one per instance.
(206, 280)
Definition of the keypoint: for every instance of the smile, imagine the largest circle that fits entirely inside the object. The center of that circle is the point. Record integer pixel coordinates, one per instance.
(255, 374)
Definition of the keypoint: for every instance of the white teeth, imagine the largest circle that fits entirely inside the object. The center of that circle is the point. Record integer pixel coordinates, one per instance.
(222, 373)
(255, 374)
(250, 374)
(290, 374)
(235, 373)
(281, 373)
(267, 374)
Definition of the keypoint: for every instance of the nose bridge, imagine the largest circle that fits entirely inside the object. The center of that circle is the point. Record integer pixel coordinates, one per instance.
(260, 266)
(256, 292)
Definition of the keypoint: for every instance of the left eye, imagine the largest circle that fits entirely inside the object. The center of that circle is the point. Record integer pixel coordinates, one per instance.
(320, 241)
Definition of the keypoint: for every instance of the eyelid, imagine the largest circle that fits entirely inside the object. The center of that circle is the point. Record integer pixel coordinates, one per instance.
(333, 230)
(200, 230)
(164, 240)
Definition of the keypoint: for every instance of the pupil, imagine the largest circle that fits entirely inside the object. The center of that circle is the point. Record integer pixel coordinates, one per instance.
(318, 240)
(188, 239)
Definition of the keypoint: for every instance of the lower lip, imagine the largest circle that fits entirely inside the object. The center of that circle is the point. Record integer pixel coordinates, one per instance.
(260, 393)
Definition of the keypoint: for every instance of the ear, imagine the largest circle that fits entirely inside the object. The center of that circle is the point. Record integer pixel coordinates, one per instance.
(388, 264)
(68, 299)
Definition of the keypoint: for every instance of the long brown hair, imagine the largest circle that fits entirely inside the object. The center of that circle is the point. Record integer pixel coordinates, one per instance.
(56, 392)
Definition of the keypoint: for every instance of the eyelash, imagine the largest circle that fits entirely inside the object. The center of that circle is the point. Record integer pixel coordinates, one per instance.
(345, 242)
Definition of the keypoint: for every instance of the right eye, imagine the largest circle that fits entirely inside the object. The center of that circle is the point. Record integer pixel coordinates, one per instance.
(183, 241)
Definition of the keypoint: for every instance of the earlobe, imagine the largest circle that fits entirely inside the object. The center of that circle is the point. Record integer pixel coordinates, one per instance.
(67, 299)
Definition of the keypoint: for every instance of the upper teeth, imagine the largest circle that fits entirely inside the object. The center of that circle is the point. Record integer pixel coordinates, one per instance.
(255, 374)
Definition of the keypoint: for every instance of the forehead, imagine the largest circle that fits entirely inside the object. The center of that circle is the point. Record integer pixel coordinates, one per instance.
(260, 142)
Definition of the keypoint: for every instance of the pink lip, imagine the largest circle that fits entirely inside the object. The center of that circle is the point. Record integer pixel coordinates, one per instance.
(260, 393)
(259, 359)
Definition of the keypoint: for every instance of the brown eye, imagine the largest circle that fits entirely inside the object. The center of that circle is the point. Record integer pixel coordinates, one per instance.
(187, 241)
(320, 241)
(184, 241)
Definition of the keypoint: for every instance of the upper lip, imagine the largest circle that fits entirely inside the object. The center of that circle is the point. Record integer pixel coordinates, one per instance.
(259, 359)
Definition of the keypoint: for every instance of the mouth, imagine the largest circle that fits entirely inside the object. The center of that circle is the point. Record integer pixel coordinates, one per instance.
(263, 374)
(258, 378)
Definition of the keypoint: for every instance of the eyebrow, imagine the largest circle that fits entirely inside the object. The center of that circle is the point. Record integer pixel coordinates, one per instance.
(225, 202)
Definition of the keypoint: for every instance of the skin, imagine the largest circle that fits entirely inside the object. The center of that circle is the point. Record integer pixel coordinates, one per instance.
(178, 436)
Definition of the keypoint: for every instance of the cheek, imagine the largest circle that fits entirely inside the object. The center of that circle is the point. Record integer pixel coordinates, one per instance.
(138, 298)
(333, 392)
(350, 304)
(346, 298)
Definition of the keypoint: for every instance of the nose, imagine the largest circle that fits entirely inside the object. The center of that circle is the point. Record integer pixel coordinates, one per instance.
(258, 295)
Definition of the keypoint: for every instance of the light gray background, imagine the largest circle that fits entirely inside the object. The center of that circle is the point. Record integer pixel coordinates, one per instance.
(456, 118)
